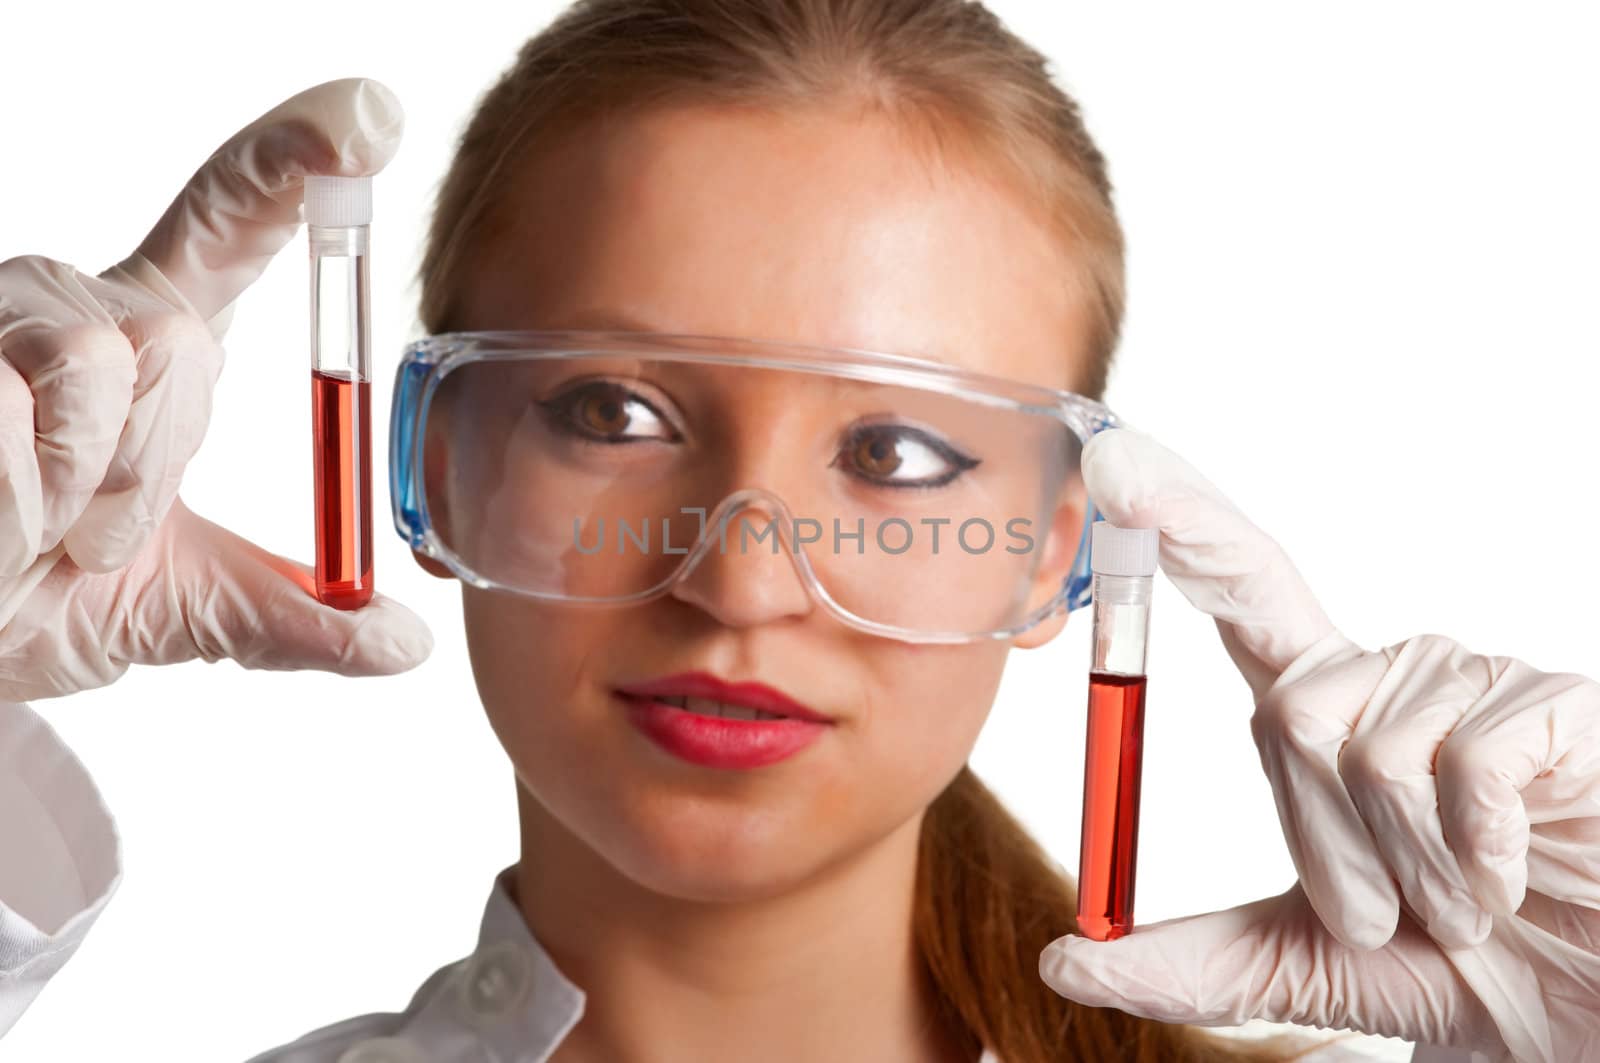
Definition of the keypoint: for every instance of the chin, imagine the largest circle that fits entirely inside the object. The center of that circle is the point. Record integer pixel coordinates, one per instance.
(712, 849)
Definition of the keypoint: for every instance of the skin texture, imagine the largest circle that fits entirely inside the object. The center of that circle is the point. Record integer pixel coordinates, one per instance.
(718, 915)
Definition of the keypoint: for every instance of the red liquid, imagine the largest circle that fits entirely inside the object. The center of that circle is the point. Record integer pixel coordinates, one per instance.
(1113, 754)
(341, 430)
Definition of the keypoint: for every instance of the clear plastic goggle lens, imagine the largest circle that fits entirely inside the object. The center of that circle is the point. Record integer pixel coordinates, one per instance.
(906, 503)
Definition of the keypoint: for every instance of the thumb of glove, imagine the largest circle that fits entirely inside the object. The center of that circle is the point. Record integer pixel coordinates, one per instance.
(1272, 959)
(242, 602)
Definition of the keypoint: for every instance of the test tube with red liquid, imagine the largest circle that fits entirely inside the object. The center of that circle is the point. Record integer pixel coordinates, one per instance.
(1123, 561)
(338, 217)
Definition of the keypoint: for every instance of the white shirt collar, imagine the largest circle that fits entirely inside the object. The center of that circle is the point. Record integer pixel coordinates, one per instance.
(508, 995)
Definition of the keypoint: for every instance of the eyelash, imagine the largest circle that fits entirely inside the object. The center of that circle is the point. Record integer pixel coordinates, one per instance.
(958, 461)
(559, 410)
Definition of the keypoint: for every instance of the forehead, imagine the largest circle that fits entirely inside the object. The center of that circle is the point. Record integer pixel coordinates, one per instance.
(815, 226)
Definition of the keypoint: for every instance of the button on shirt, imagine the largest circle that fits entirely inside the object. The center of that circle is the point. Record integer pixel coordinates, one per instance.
(506, 1003)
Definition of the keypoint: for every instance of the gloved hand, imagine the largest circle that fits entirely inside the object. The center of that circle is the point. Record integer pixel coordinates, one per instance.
(1442, 809)
(105, 393)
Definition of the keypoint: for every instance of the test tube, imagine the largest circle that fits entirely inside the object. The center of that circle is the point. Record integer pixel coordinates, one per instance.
(338, 214)
(1123, 561)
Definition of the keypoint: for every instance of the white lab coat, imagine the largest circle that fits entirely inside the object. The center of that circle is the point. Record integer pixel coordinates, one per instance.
(60, 862)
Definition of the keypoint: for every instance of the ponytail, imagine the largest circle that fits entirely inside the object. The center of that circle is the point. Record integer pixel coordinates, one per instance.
(988, 900)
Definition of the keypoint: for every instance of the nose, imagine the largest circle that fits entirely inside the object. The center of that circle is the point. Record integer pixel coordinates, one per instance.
(747, 575)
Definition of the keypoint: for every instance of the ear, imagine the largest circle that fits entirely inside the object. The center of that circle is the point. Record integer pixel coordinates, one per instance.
(431, 566)
(1060, 551)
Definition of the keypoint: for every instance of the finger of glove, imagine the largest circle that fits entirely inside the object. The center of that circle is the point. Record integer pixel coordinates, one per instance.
(59, 635)
(1563, 805)
(243, 204)
(1300, 725)
(1526, 726)
(238, 601)
(21, 505)
(80, 371)
(178, 362)
(1269, 960)
(138, 274)
(1389, 774)
(1225, 565)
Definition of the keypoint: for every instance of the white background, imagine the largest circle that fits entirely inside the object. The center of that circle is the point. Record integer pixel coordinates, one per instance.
(1365, 257)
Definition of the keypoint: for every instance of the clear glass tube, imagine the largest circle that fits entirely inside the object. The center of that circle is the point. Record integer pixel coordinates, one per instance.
(341, 412)
(1113, 756)
(1121, 623)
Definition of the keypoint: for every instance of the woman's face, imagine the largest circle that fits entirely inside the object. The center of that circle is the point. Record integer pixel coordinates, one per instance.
(817, 227)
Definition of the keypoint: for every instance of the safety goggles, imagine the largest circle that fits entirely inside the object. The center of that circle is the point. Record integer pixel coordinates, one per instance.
(910, 499)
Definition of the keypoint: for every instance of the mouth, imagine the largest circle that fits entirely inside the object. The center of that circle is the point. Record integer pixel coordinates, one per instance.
(711, 723)
(708, 707)
(706, 695)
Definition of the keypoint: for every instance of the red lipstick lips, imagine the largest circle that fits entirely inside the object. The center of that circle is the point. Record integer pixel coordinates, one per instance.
(715, 724)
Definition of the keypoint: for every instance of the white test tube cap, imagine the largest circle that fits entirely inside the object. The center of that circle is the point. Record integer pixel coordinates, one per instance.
(338, 202)
(1117, 551)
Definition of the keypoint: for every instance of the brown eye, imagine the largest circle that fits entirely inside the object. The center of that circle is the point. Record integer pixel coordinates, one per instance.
(876, 456)
(897, 455)
(603, 414)
(606, 412)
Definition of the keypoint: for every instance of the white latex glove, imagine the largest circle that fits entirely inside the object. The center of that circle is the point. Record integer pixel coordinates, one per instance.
(1442, 809)
(105, 393)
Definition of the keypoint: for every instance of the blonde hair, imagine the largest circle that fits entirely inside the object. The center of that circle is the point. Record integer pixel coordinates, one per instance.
(940, 66)
(988, 898)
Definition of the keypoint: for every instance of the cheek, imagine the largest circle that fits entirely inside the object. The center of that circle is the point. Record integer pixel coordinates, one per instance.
(528, 661)
(929, 704)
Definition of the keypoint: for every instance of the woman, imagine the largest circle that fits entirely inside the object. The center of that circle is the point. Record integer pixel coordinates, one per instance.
(889, 176)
